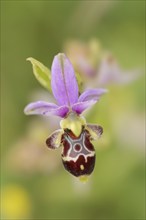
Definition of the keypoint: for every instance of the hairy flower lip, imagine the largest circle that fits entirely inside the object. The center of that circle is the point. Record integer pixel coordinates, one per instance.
(65, 90)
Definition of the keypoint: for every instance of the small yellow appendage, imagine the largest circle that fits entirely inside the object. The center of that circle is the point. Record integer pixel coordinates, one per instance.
(84, 178)
(74, 123)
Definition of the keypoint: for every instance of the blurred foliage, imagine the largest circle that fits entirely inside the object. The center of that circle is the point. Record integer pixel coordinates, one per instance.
(116, 189)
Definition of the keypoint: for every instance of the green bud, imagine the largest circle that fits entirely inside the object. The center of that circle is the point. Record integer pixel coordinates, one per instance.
(41, 72)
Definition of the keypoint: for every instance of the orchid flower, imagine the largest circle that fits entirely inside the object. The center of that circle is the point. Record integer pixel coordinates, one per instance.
(75, 135)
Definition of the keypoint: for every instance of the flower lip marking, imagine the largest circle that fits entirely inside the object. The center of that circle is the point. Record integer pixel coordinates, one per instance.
(79, 161)
(77, 147)
(82, 167)
(78, 158)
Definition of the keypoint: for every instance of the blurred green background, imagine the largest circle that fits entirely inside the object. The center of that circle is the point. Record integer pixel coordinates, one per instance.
(34, 183)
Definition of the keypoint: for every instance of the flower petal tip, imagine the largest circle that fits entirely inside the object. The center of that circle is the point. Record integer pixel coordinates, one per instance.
(63, 81)
(103, 91)
(29, 59)
(60, 54)
(27, 110)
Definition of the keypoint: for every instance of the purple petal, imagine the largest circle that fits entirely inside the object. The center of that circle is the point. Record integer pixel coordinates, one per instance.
(81, 106)
(45, 108)
(54, 140)
(91, 94)
(63, 81)
(61, 111)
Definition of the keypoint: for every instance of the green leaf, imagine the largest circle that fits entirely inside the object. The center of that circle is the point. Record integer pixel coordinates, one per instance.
(41, 72)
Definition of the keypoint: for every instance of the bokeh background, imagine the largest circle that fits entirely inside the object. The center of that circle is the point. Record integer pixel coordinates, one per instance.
(34, 183)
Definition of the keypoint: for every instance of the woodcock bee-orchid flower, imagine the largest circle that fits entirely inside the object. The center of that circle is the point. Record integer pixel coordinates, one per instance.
(75, 135)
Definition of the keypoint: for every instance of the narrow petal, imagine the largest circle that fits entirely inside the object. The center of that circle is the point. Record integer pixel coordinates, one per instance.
(61, 111)
(81, 106)
(91, 94)
(63, 81)
(45, 108)
(95, 131)
(54, 140)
